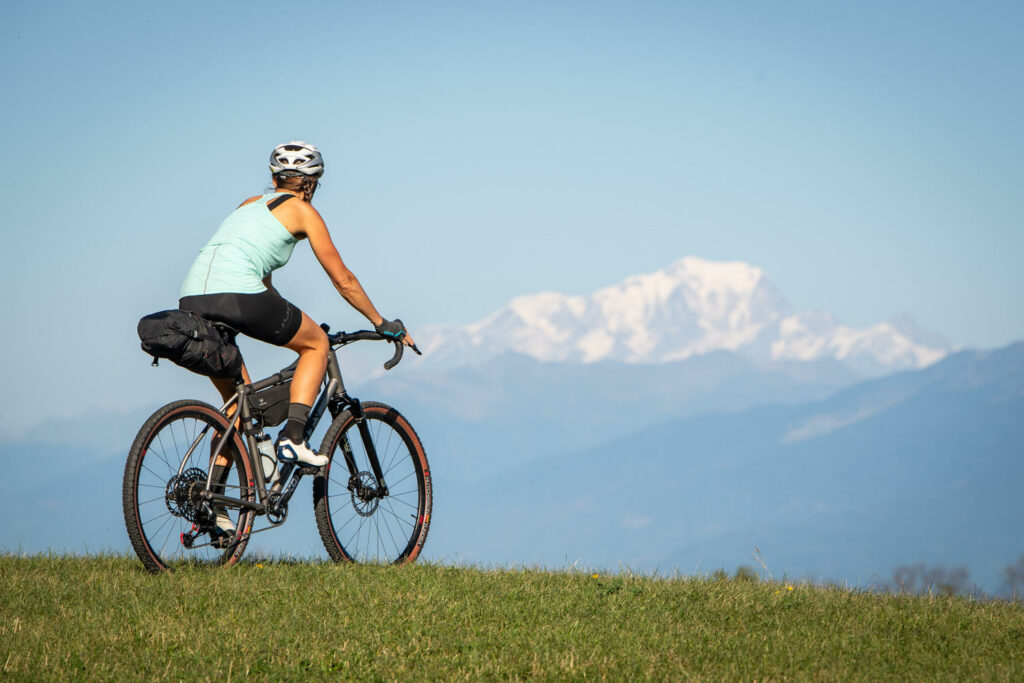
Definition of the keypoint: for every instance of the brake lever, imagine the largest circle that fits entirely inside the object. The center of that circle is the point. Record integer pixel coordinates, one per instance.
(416, 349)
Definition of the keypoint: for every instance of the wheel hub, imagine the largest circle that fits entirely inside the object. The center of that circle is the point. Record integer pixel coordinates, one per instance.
(365, 494)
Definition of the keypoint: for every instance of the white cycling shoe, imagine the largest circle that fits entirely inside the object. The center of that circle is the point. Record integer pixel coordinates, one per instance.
(223, 522)
(223, 529)
(299, 453)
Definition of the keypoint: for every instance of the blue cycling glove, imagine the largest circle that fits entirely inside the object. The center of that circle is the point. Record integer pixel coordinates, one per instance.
(393, 329)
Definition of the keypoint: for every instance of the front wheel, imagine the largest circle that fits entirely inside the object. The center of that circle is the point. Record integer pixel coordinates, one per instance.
(360, 520)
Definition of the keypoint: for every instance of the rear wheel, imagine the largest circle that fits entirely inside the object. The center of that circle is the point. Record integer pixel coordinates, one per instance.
(357, 519)
(167, 520)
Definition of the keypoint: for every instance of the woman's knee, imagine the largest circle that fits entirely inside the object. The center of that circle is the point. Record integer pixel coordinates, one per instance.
(310, 337)
(319, 341)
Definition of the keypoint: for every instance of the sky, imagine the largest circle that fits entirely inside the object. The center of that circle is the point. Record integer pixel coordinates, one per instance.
(869, 156)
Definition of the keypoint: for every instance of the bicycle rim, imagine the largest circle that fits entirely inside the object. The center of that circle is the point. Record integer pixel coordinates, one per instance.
(356, 526)
(164, 521)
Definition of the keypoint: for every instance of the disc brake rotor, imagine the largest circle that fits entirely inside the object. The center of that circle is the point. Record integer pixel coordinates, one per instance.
(363, 488)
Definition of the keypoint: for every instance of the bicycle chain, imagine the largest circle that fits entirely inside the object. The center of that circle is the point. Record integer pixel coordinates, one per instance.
(281, 515)
(234, 540)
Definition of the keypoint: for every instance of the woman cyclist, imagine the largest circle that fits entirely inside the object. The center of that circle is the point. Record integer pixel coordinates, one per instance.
(230, 282)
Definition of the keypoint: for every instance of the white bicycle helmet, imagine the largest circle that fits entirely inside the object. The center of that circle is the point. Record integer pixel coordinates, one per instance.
(297, 157)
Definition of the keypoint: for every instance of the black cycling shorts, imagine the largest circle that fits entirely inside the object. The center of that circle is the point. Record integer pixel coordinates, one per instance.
(266, 316)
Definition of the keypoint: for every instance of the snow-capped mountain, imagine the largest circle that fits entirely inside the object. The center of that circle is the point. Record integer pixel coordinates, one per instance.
(690, 308)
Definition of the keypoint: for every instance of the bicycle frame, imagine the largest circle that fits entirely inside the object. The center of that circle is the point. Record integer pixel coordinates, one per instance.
(333, 398)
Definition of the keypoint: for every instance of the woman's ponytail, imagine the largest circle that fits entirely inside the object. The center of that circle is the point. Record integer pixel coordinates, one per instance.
(305, 185)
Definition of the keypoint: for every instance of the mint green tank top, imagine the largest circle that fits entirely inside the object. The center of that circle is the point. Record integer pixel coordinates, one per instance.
(249, 244)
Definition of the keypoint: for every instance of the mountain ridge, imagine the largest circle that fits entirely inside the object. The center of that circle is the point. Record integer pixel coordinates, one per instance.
(690, 308)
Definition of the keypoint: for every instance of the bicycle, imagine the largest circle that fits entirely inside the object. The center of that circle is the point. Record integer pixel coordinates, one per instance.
(374, 507)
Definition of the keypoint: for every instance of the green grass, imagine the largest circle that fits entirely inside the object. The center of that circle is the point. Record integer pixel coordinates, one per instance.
(105, 618)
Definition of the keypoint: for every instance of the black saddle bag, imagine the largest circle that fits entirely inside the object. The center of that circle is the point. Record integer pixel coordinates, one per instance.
(192, 342)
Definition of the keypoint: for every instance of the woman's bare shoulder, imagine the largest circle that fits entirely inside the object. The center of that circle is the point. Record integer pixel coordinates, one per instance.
(299, 217)
(298, 210)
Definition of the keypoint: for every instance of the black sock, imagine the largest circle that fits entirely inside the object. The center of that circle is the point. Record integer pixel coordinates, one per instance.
(298, 414)
(220, 478)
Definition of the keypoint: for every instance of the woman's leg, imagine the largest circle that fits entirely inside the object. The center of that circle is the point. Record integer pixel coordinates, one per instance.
(226, 387)
(310, 342)
(222, 520)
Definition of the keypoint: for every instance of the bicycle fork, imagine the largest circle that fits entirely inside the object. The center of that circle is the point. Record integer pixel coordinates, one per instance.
(356, 408)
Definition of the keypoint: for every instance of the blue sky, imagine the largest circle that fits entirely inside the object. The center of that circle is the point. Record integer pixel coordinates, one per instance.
(867, 155)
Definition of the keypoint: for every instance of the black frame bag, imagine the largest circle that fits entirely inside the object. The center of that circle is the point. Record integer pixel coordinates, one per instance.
(192, 342)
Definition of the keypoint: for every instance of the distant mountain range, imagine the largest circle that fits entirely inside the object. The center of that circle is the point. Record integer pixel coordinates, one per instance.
(921, 466)
(690, 308)
(513, 408)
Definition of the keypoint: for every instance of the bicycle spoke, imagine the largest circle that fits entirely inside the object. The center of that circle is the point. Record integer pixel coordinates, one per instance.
(153, 519)
(157, 476)
(152, 500)
(174, 438)
(392, 484)
(399, 494)
(398, 519)
(166, 538)
(160, 452)
(359, 529)
(163, 458)
(354, 515)
(406, 503)
(393, 541)
(387, 446)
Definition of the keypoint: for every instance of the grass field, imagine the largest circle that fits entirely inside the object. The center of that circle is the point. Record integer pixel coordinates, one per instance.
(105, 618)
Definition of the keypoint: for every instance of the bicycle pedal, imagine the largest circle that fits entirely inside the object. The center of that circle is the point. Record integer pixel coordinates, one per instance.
(221, 540)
